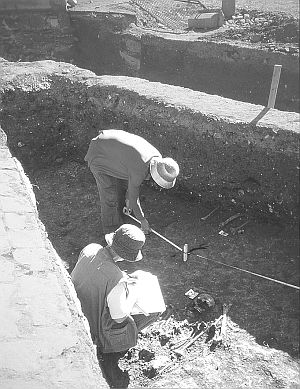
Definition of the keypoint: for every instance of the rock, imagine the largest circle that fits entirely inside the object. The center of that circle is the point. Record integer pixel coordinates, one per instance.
(290, 29)
(160, 362)
(255, 38)
(150, 372)
(146, 355)
(163, 339)
(156, 365)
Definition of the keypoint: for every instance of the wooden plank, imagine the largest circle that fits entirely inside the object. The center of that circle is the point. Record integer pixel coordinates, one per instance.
(274, 86)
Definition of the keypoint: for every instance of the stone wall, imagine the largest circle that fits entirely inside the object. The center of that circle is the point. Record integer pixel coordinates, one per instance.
(45, 340)
(33, 36)
(99, 41)
(229, 152)
(110, 43)
(235, 71)
(20, 5)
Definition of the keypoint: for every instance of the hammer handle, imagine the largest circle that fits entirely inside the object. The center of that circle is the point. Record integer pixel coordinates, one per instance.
(155, 232)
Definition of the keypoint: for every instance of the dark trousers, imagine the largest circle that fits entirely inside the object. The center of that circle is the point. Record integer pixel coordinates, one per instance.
(112, 193)
(108, 362)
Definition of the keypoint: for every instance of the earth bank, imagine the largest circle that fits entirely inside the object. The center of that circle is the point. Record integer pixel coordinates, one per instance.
(44, 116)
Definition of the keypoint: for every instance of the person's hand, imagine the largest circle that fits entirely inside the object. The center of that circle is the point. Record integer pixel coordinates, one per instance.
(138, 274)
(128, 279)
(145, 226)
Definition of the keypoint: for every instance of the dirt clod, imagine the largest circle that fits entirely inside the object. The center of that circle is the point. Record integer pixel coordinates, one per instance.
(146, 355)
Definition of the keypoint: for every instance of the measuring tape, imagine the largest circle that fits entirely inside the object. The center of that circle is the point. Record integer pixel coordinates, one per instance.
(185, 254)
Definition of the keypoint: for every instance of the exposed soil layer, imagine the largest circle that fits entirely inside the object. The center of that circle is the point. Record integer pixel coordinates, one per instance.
(265, 31)
(262, 313)
(276, 32)
(223, 158)
(44, 129)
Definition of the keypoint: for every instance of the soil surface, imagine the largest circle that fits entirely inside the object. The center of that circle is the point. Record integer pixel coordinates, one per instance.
(262, 341)
(269, 24)
(266, 27)
(274, 31)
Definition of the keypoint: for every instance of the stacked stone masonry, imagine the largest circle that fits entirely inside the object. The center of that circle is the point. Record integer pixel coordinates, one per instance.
(44, 337)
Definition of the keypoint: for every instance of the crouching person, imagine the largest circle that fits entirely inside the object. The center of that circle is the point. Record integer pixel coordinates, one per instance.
(107, 298)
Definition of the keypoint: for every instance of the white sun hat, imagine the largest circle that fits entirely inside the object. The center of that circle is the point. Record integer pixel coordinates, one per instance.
(164, 171)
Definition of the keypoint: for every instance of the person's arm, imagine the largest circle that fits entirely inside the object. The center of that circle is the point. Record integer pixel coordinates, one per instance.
(120, 301)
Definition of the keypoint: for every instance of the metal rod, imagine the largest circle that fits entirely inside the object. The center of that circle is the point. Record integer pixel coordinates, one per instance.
(156, 233)
(218, 262)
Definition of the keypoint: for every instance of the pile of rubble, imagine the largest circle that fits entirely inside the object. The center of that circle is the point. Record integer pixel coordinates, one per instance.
(274, 31)
(170, 342)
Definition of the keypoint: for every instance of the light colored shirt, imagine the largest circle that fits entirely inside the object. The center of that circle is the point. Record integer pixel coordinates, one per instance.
(118, 303)
(123, 155)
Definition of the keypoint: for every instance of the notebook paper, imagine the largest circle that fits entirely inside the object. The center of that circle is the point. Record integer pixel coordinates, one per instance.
(150, 298)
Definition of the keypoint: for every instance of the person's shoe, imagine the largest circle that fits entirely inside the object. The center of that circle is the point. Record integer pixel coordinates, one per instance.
(121, 379)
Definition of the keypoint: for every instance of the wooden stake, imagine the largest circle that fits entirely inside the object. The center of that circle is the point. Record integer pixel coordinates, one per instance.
(274, 86)
(185, 252)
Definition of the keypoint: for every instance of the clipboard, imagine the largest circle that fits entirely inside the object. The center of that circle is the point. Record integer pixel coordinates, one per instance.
(150, 298)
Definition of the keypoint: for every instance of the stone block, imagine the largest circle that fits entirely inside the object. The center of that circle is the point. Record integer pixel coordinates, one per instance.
(4, 154)
(3, 138)
(4, 245)
(16, 205)
(131, 62)
(7, 269)
(35, 259)
(24, 382)
(206, 20)
(2, 227)
(17, 221)
(27, 354)
(25, 238)
(45, 300)
(8, 164)
(133, 46)
(18, 5)
(11, 189)
(9, 312)
(7, 176)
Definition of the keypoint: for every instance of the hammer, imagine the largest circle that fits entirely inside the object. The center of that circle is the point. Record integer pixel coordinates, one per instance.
(184, 250)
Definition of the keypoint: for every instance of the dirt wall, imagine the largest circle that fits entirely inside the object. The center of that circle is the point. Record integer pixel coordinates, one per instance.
(39, 35)
(112, 44)
(45, 339)
(230, 70)
(8, 5)
(99, 40)
(229, 152)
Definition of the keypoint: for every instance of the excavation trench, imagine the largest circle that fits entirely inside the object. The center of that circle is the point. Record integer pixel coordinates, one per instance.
(115, 43)
(51, 111)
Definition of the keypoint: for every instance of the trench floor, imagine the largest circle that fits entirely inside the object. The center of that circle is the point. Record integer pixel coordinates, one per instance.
(267, 312)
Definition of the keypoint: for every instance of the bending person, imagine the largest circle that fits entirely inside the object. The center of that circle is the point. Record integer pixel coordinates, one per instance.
(120, 162)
